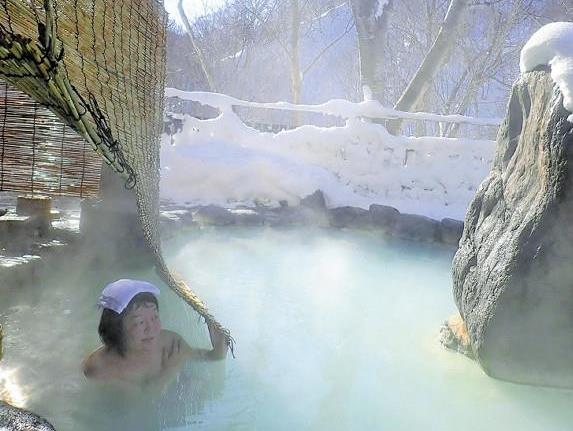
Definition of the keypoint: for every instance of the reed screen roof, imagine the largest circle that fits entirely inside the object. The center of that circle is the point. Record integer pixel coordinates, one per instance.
(41, 154)
(99, 65)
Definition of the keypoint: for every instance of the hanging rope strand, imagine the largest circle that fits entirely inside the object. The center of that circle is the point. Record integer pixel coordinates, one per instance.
(53, 63)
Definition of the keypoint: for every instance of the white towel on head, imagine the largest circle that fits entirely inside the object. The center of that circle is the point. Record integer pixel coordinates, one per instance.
(117, 295)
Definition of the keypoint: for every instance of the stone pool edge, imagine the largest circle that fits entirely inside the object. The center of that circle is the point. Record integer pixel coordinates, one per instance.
(312, 211)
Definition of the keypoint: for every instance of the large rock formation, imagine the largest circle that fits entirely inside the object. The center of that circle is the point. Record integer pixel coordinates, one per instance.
(512, 273)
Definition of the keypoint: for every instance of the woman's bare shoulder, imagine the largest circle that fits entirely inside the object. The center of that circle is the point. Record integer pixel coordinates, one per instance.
(98, 365)
(173, 344)
(167, 337)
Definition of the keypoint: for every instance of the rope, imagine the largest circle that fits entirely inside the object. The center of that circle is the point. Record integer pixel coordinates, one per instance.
(5, 6)
(59, 67)
(182, 289)
(49, 67)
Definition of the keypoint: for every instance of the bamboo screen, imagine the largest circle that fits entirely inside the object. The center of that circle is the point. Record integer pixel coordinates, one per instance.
(39, 153)
(100, 65)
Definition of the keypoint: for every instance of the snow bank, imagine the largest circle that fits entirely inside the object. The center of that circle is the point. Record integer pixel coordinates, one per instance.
(552, 45)
(222, 161)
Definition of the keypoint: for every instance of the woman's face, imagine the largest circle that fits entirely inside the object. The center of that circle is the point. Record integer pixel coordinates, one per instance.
(141, 327)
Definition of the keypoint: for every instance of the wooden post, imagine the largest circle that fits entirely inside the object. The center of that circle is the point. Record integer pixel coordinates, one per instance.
(39, 208)
(29, 205)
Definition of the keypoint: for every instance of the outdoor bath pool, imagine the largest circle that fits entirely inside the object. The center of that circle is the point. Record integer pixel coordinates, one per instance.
(335, 330)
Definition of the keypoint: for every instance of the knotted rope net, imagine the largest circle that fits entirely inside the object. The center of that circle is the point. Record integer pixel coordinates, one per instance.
(100, 66)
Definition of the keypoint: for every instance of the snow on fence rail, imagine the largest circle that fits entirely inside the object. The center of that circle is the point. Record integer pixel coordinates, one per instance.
(337, 107)
(223, 161)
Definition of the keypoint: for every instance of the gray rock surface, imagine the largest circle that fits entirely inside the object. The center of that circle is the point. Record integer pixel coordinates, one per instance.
(214, 215)
(512, 273)
(314, 201)
(349, 217)
(416, 227)
(247, 217)
(383, 216)
(384, 219)
(15, 419)
(451, 231)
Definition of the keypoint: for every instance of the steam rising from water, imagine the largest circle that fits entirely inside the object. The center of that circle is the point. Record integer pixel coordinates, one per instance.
(335, 330)
(10, 389)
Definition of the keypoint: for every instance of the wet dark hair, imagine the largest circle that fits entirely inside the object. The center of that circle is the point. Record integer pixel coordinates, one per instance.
(110, 327)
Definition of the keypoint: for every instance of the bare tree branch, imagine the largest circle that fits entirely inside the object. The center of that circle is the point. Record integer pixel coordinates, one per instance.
(198, 52)
(433, 61)
(349, 26)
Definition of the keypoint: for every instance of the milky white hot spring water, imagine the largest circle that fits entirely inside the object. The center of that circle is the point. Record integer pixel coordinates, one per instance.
(335, 330)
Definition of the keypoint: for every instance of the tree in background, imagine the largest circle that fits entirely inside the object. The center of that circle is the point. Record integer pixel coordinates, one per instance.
(265, 42)
(371, 19)
(248, 46)
(490, 59)
(483, 63)
(196, 48)
(435, 58)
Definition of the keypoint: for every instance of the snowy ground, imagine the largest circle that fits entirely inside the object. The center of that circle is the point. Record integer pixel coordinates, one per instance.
(224, 162)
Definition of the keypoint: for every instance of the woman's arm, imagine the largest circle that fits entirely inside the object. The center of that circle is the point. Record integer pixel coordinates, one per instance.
(176, 352)
(219, 343)
(217, 353)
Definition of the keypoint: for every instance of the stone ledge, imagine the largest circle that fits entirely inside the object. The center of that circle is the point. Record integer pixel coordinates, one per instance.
(312, 211)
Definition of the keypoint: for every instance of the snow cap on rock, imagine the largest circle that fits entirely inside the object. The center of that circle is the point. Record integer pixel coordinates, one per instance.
(552, 45)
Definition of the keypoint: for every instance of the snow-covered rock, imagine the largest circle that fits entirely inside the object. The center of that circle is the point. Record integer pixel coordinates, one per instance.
(512, 274)
(552, 45)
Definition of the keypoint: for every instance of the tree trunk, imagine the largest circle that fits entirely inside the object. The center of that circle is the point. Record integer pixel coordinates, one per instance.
(372, 31)
(295, 72)
(436, 57)
(206, 74)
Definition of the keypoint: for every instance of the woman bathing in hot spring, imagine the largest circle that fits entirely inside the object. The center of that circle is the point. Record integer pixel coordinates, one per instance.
(136, 351)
